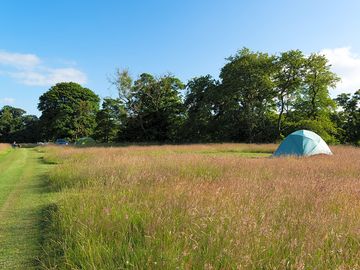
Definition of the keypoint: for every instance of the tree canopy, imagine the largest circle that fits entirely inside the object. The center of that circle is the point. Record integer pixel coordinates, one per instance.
(15, 125)
(259, 97)
(154, 107)
(68, 111)
(109, 120)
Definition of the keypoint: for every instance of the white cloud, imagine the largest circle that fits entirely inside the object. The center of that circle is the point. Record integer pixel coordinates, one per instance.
(50, 76)
(7, 101)
(19, 60)
(28, 69)
(345, 64)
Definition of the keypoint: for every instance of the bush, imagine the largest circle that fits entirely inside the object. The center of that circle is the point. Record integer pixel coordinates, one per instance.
(325, 129)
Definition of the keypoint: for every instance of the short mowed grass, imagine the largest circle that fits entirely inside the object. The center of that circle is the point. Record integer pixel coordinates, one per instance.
(221, 206)
(23, 197)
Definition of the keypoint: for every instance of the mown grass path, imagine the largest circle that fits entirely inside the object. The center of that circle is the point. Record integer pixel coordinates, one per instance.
(23, 197)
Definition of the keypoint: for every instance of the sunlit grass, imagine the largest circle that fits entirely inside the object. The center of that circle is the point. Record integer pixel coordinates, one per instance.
(204, 207)
(22, 198)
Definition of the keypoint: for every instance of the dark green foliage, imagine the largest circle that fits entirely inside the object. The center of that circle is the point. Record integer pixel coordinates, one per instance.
(324, 127)
(29, 131)
(258, 98)
(200, 103)
(315, 101)
(312, 108)
(10, 122)
(68, 111)
(247, 94)
(16, 126)
(348, 118)
(154, 107)
(288, 79)
(109, 120)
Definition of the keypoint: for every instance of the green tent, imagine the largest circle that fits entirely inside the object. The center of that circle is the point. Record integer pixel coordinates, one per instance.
(302, 143)
(85, 141)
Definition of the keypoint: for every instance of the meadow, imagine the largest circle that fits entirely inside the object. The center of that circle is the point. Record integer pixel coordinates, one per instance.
(220, 206)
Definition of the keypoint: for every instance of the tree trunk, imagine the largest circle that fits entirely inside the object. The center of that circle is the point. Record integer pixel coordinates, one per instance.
(280, 116)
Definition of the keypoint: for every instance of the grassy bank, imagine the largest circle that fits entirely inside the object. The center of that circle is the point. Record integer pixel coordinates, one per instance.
(203, 207)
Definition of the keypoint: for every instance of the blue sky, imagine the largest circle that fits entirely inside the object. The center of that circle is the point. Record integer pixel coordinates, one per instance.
(43, 42)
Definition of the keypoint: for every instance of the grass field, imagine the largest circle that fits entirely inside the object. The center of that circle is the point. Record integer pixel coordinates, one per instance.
(23, 197)
(223, 206)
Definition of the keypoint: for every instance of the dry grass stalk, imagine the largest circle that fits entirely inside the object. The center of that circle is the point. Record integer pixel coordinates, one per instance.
(207, 207)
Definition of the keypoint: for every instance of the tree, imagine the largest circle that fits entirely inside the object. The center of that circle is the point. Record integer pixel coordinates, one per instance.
(248, 92)
(288, 81)
(109, 120)
(153, 105)
(16, 126)
(68, 111)
(315, 100)
(29, 131)
(200, 103)
(313, 106)
(124, 84)
(10, 122)
(349, 116)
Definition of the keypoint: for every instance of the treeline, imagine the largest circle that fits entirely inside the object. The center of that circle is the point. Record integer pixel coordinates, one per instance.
(16, 126)
(258, 98)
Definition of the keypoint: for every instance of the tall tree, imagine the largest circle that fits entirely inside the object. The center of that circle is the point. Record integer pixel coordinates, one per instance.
(349, 116)
(16, 126)
(248, 89)
(288, 81)
(10, 122)
(109, 120)
(200, 103)
(29, 131)
(313, 106)
(315, 100)
(123, 82)
(68, 111)
(154, 107)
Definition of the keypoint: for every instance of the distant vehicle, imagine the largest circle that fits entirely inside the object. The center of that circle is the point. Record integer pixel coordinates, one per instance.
(61, 142)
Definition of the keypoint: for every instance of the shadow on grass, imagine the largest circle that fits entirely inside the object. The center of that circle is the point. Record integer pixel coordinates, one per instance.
(46, 214)
(51, 252)
(46, 161)
(28, 145)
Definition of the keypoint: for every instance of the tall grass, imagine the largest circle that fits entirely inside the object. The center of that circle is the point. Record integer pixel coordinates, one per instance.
(203, 207)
